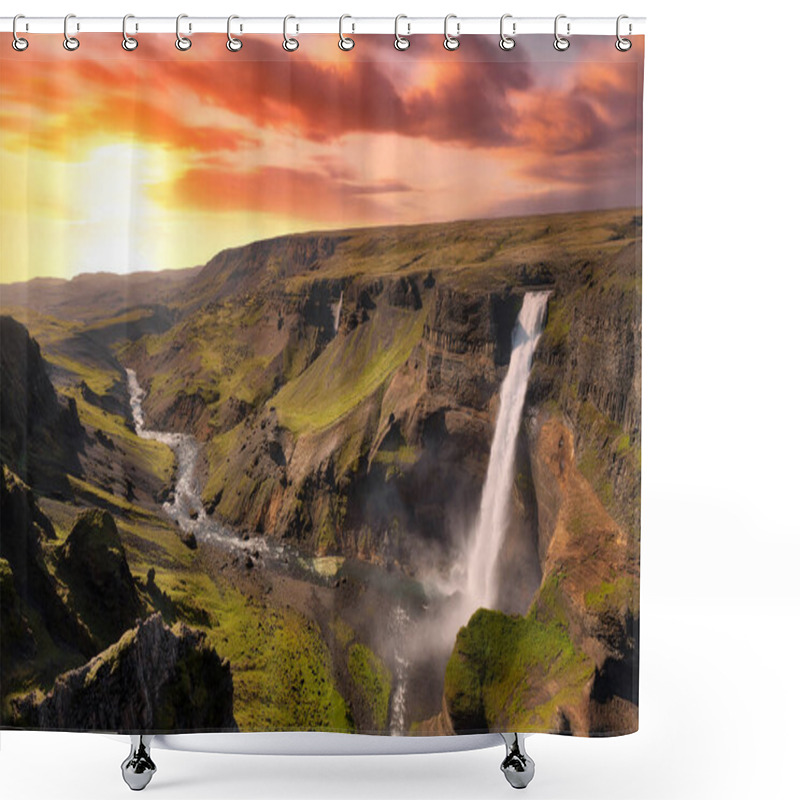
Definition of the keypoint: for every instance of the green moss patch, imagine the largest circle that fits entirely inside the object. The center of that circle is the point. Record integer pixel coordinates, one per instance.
(398, 460)
(282, 669)
(349, 370)
(373, 683)
(501, 670)
(619, 593)
(559, 323)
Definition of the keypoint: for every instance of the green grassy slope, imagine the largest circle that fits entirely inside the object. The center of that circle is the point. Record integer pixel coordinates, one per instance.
(349, 370)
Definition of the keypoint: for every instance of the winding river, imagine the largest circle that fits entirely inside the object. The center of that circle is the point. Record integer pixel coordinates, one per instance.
(186, 506)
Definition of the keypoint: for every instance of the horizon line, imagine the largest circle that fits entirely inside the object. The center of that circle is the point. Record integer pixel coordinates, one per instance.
(311, 232)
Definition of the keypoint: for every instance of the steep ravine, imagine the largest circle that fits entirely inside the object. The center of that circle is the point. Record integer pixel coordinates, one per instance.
(423, 411)
(340, 477)
(426, 434)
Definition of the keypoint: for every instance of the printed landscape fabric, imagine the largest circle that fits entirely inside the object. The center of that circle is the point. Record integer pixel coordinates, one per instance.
(321, 385)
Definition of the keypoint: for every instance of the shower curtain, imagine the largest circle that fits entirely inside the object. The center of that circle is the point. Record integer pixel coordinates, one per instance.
(321, 377)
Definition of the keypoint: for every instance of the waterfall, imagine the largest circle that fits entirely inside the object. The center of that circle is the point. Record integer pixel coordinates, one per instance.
(337, 312)
(490, 526)
(398, 630)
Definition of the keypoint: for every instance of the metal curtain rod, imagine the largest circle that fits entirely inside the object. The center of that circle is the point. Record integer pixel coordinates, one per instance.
(571, 26)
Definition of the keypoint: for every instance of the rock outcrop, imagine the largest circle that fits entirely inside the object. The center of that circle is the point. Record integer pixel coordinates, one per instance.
(101, 592)
(81, 589)
(25, 532)
(40, 432)
(154, 679)
(18, 641)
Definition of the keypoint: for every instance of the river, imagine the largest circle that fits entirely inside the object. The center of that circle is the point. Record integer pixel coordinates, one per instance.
(186, 506)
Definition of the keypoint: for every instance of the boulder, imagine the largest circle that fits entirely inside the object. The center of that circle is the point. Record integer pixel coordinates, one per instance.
(188, 538)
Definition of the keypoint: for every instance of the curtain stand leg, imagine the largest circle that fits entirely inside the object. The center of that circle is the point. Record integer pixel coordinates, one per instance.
(138, 768)
(517, 766)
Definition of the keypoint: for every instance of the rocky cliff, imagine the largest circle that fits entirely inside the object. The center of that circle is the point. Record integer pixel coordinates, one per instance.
(154, 679)
(26, 534)
(81, 588)
(63, 600)
(589, 367)
(19, 643)
(98, 586)
(40, 432)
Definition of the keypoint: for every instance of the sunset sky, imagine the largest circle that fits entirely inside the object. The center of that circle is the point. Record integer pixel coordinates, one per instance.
(154, 159)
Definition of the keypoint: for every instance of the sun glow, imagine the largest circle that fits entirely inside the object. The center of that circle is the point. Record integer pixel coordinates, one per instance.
(62, 218)
(117, 220)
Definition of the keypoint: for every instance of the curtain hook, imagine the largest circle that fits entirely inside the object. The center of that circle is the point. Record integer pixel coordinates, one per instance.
(345, 42)
(18, 43)
(233, 44)
(560, 43)
(70, 42)
(401, 42)
(623, 45)
(128, 42)
(289, 44)
(451, 42)
(506, 41)
(182, 42)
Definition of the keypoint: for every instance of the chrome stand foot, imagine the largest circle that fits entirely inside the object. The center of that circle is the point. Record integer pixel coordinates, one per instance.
(518, 766)
(138, 768)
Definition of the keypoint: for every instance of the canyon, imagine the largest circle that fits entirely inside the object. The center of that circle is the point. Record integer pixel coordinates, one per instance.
(343, 392)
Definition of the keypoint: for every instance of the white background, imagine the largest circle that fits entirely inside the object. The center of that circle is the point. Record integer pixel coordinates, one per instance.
(720, 600)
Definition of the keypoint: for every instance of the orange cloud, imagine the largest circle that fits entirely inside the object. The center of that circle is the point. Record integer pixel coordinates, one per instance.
(313, 135)
(280, 190)
(321, 100)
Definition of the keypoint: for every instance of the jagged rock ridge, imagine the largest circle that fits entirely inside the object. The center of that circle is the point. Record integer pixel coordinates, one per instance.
(154, 679)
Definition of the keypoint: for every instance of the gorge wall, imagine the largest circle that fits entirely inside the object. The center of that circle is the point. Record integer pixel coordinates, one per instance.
(40, 431)
(347, 441)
